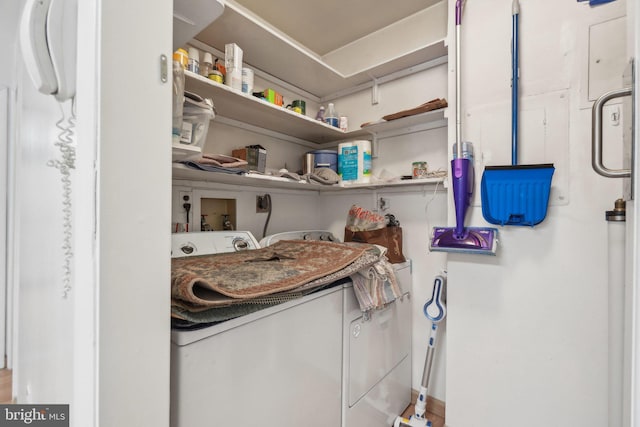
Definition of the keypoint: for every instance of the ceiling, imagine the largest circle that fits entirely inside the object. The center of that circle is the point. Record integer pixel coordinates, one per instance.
(325, 25)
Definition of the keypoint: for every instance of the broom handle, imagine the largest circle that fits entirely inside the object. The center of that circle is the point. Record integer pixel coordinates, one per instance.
(458, 109)
(514, 83)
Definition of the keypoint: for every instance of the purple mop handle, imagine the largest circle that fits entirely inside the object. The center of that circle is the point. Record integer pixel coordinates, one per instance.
(458, 12)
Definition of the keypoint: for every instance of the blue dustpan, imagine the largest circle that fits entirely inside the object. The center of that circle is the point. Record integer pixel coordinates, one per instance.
(515, 194)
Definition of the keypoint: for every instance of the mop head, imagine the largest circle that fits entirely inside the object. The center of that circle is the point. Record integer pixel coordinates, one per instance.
(411, 422)
(473, 240)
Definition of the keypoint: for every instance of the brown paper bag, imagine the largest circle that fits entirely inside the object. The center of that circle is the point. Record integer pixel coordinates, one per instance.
(389, 237)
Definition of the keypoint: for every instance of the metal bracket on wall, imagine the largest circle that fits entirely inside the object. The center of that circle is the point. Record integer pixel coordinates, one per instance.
(374, 146)
(375, 93)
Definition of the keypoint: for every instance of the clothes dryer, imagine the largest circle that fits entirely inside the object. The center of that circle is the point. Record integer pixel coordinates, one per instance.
(376, 349)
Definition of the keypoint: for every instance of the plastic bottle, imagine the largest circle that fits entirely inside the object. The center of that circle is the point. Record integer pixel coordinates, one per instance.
(206, 66)
(331, 117)
(194, 60)
(179, 64)
(320, 115)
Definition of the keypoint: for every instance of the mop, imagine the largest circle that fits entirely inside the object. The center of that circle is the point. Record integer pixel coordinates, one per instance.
(460, 238)
(435, 311)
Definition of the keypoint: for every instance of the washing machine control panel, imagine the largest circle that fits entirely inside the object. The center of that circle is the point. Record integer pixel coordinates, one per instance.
(211, 242)
(323, 235)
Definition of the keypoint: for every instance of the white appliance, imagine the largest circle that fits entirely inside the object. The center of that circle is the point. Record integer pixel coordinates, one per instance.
(280, 366)
(376, 349)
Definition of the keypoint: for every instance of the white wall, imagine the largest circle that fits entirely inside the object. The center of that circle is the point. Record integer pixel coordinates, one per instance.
(44, 318)
(525, 329)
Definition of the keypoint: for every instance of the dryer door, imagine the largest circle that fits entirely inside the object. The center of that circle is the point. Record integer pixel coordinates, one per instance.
(377, 346)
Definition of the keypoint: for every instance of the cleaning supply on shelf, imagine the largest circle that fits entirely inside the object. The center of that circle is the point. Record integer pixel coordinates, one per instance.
(354, 161)
(206, 66)
(331, 116)
(247, 81)
(194, 60)
(233, 65)
(182, 57)
(320, 115)
(320, 159)
(179, 63)
(271, 96)
(219, 67)
(216, 76)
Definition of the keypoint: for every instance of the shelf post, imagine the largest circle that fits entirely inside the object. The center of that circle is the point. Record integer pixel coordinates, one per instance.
(375, 93)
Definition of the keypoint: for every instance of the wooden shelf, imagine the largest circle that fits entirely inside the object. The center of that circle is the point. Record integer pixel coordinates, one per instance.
(425, 121)
(182, 172)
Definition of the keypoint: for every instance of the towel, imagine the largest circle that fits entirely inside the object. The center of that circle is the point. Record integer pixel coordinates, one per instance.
(376, 286)
(221, 160)
(325, 176)
(212, 168)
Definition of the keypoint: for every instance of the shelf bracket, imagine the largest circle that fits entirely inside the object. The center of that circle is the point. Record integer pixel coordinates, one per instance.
(375, 93)
(374, 146)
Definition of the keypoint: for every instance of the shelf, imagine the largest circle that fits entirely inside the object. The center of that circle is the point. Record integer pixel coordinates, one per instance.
(382, 53)
(419, 122)
(235, 105)
(243, 108)
(182, 172)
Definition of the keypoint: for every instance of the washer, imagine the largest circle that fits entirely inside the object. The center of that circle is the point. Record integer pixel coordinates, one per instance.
(376, 351)
(277, 367)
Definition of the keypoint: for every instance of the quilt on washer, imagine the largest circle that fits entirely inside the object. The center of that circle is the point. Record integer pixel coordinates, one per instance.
(202, 282)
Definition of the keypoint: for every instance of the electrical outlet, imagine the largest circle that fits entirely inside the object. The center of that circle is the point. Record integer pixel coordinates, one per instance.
(262, 205)
(383, 204)
(184, 197)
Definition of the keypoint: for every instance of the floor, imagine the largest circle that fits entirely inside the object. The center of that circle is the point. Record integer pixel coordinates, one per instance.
(5, 386)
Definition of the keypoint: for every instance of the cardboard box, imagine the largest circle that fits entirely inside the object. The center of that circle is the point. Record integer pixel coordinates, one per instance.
(255, 155)
(273, 97)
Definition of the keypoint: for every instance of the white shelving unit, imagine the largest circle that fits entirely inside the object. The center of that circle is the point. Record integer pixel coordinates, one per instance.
(235, 105)
(273, 53)
(241, 107)
(267, 49)
(184, 173)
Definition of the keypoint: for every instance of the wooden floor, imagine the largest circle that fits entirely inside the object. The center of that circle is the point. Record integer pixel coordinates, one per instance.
(435, 408)
(5, 386)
